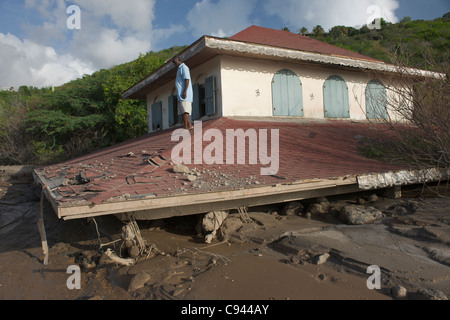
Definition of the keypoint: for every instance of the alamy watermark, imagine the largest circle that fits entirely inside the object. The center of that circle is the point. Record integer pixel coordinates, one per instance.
(374, 20)
(74, 20)
(74, 281)
(234, 144)
(374, 281)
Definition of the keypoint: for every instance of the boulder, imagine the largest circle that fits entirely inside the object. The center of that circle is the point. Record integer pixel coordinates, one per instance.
(292, 209)
(323, 202)
(179, 168)
(138, 281)
(358, 215)
(316, 209)
(321, 259)
(133, 251)
(399, 292)
(431, 294)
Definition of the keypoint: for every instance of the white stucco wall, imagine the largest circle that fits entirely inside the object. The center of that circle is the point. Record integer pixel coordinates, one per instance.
(198, 75)
(247, 87)
(244, 88)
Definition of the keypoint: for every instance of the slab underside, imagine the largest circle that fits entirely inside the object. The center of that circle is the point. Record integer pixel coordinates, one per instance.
(154, 208)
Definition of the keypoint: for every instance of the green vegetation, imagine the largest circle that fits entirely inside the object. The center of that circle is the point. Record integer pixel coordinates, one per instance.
(412, 38)
(41, 126)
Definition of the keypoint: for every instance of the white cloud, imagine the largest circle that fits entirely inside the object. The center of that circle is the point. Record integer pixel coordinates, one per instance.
(112, 32)
(132, 15)
(222, 18)
(33, 64)
(299, 13)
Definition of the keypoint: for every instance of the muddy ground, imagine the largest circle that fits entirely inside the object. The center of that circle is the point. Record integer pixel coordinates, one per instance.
(272, 257)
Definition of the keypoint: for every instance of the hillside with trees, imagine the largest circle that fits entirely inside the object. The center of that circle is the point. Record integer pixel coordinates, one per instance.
(48, 125)
(410, 40)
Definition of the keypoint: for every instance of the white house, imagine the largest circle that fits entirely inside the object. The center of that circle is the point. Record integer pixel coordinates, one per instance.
(263, 72)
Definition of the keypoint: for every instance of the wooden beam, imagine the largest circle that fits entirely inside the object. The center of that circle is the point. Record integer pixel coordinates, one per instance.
(227, 203)
(201, 198)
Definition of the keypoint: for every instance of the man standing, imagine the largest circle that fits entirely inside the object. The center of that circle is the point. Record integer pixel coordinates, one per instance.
(183, 85)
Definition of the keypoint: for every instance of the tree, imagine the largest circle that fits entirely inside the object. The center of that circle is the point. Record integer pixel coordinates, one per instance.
(420, 101)
(338, 31)
(285, 29)
(318, 31)
(303, 31)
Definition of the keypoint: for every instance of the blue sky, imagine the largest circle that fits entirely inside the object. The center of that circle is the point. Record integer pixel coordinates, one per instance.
(37, 48)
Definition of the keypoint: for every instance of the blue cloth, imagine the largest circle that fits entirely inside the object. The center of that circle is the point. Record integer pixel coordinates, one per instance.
(183, 73)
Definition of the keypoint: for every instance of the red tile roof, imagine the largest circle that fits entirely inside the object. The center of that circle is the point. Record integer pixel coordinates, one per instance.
(285, 39)
(142, 167)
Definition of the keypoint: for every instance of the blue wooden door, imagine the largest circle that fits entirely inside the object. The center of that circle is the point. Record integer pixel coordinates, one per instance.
(196, 103)
(157, 116)
(287, 94)
(210, 96)
(335, 96)
(173, 110)
(376, 100)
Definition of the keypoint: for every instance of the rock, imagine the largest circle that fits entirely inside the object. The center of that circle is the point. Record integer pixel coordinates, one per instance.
(320, 259)
(229, 226)
(179, 168)
(210, 223)
(323, 202)
(191, 177)
(399, 292)
(316, 209)
(358, 215)
(292, 209)
(128, 243)
(127, 233)
(373, 198)
(361, 201)
(213, 220)
(333, 211)
(133, 252)
(138, 281)
(431, 294)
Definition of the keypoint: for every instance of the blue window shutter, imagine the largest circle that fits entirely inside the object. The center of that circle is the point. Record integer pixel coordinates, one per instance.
(287, 95)
(157, 116)
(196, 103)
(210, 96)
(335, 95)
(173, 110)
(376, 100)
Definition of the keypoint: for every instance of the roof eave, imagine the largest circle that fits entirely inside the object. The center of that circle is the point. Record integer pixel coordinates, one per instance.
(240, 48)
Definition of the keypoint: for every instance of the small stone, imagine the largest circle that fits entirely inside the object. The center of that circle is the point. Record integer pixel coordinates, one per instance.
(399, 292)
(373, 198)
(361, 201)
(179, 168)
(138, 281)
(321, 259)
(191, 177)
(133, 252)
(128, 243)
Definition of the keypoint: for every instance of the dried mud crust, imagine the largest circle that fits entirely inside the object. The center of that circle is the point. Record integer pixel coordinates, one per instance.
(272, 256)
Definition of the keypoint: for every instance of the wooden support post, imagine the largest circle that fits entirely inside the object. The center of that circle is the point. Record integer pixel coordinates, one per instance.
(394, 192)
(42, 228)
